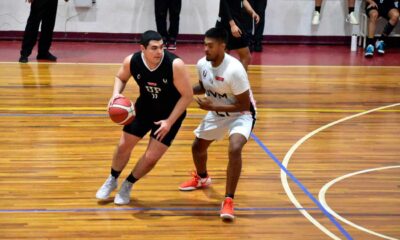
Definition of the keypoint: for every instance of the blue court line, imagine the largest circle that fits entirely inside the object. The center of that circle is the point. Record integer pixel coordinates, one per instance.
(272, 156)
(303, 188)
(145, 209)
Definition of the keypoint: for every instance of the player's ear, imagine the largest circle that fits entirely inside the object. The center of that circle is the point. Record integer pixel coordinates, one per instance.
(223, 45)
(142, 48)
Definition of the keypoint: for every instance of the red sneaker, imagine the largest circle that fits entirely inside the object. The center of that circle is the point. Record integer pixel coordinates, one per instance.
(195, 183)
(227, 209)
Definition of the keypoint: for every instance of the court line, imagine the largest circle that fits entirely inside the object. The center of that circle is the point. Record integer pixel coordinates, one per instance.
(193, 65)
(298, 208)
(294, 147)
(325, 188)
(305, 190)
(104, 109)
(117, 209)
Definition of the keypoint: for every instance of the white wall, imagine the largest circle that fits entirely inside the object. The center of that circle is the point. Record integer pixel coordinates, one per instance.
(283, 17)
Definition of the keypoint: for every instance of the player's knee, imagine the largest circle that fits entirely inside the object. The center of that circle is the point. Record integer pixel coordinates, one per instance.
(249, 57)
(246, 58)
(235, 149)
(161, 14)
(373, 16)
(395, 17)
(124, 148)
(174, 17)
(151, 159)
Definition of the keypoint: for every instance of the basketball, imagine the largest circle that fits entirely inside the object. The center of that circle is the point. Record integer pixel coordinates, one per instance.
(122, 111)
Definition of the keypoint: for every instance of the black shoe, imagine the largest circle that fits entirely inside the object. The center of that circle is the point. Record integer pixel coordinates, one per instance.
(23, 59)
(251, 47)
(165, 41)
(172, 45)
(258, 47)
(46, 56)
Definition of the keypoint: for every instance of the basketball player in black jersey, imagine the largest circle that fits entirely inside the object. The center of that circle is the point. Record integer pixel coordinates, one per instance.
(165, 93)
(230, 18)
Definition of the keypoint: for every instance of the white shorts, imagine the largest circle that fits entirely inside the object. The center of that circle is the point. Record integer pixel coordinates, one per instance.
(214, 127)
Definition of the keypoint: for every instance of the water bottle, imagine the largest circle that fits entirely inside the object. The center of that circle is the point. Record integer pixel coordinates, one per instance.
(353, 47)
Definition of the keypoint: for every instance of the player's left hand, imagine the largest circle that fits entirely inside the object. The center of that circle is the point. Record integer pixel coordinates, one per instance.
(256, 17)
(163, 130)
(205, 103)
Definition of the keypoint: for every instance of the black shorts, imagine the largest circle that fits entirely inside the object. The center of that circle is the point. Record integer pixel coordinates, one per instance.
(141, 126)
(383, 8)
(234, 42)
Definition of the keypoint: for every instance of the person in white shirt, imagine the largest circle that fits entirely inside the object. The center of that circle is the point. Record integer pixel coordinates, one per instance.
(231, 108)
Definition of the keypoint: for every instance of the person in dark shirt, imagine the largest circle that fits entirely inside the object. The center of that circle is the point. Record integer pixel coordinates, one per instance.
(165, 93)
(162, 8)
(42, 12)
(256, 31)
(230, 18)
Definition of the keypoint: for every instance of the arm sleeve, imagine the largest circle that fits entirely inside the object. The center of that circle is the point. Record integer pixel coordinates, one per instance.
(224, 11)
(198, 66)
(240, 82)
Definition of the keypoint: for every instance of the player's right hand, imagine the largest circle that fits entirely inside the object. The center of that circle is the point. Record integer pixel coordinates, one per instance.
(112, 99)
(236, 32)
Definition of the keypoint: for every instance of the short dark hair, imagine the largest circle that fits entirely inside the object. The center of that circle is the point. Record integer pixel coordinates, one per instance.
(148, 36)
(217, 33)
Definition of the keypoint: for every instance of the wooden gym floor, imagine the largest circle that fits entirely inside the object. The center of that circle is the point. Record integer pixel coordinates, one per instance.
(334, 128)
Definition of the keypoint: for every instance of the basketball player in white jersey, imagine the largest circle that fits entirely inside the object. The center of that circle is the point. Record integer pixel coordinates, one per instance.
(231, 109)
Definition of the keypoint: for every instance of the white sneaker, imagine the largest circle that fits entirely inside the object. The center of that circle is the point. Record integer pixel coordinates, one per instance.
(109, 185)
(124, 195)
(315, 18)
(351, 18)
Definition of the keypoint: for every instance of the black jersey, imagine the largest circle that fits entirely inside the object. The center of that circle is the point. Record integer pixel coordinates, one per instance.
(230, 10)
(158, 94)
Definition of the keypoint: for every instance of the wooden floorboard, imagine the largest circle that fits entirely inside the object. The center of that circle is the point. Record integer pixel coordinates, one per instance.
(56, 144)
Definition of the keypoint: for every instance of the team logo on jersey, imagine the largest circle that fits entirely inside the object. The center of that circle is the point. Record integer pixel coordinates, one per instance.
(138, 76)
(154, 91)
(219, 78)
(216, 94)
(204, 73)
(152, 84)
(165, 81)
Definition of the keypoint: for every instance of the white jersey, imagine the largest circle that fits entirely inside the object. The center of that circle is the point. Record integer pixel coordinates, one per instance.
(222, 83)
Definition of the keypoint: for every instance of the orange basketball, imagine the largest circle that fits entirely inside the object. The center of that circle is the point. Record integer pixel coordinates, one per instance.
(122, 111)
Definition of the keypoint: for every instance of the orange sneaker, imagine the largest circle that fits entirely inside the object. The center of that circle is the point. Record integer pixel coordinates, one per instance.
(227, 209)
(195, 183)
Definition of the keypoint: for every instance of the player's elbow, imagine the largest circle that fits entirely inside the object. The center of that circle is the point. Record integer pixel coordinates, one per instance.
(188, 96)
(245, 106)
